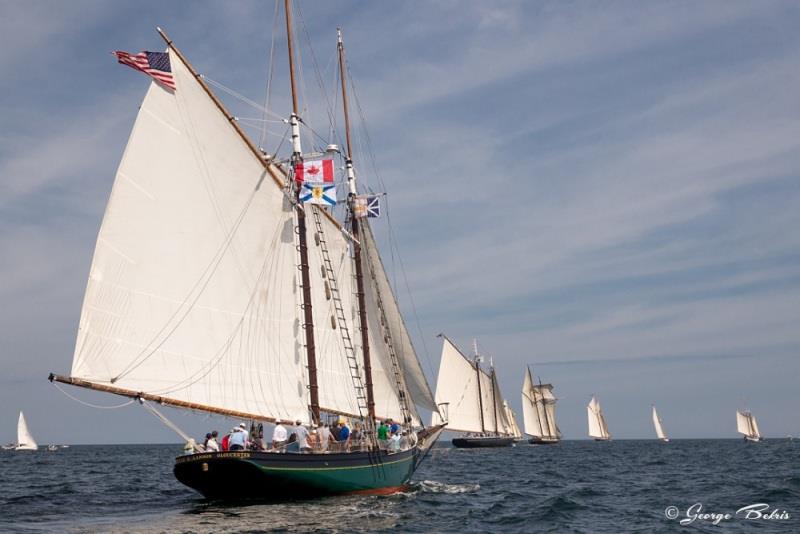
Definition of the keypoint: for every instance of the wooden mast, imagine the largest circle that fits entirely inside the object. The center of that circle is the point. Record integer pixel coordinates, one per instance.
(362, 306)
(478, 374)
(550, 434)
(536, 404)
(297, 157)
(494, 401)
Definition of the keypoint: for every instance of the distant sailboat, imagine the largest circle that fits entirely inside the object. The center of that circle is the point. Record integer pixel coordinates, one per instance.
(659, 426)
(746, 424)
(539, 411)
(512, 420)
(598, 429)
(25, 441)
(474, 403)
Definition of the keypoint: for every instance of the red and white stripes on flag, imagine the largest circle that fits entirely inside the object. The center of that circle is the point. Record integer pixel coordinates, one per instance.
(154, 64)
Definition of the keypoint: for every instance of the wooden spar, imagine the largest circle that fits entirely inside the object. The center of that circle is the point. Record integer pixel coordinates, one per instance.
(360, 294)
(287, 4)
(231, 119)
(480, 396)
(340, 47)
(494, 401)
(550, 433)
(308, 315)
(535, 403)
(166, 401)
(277, 178)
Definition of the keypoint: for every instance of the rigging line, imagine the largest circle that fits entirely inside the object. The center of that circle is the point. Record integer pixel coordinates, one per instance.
(211, 364)
(169, 424)
(241, 97)
(76, 399)
(392, 238)
(209, 270)
(262, 139)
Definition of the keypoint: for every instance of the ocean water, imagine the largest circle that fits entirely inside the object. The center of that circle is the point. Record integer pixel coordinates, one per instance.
(576, 486)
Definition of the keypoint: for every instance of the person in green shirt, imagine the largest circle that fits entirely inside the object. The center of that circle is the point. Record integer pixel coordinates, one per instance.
(383, 432)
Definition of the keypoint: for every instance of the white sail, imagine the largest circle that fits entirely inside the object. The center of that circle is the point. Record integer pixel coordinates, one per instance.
(25, 441)
(499, 415)
(598, 428)
(192, 292)
(413, 375)
(457, 385)
(746, 424)
(512, 420)
(659, 427)
(754, 426)
(538, 404)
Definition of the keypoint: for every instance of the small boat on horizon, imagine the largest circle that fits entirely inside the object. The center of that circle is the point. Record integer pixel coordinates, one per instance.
(470, 400)
(598, 428)
(746, 424)
(659, 426)
(25, 441)
(539, 412)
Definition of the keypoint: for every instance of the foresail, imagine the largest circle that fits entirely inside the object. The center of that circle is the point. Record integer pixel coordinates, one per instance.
(742, 423)
(414, 377)
(658, 426)
(595, 422)
(192, 292)
(457, 385)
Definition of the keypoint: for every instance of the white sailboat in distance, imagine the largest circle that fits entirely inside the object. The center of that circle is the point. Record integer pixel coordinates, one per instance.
(25, 441)
(746, 424)
(659, 426)
(598, 429)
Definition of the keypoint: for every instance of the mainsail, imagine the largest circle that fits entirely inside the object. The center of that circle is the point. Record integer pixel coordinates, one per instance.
(659, 426)
(25, 441)
(746, 424)
(538, 409)
(598, 429)
(473, 397)
(194, 295)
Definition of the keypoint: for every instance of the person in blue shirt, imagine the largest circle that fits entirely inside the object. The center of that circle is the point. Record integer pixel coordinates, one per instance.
(394, 428)
(344, 432)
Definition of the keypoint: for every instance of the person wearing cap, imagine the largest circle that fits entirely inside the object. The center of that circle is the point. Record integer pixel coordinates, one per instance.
(279, 436)
(238, 439)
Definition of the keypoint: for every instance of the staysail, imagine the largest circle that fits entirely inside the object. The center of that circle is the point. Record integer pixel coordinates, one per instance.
(659, 426)
(598, 429)
(512, 419)
(25, 441)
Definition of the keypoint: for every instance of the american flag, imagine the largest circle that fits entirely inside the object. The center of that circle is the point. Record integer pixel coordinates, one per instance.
(154, 64)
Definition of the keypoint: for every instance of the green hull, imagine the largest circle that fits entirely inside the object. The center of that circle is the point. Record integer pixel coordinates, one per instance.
(270, 475)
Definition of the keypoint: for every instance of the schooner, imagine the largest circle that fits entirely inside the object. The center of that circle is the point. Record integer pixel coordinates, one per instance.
(598, 429)
(539, 411)
(746, 424)
(215, 288)
(471, 400)
(659, 426)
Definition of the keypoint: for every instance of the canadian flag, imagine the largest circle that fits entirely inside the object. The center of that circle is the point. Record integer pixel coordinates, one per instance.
(320, 170)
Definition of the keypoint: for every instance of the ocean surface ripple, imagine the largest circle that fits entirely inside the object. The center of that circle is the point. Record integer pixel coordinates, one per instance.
(575, 486)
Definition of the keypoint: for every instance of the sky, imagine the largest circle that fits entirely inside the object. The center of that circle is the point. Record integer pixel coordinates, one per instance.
(606, 191)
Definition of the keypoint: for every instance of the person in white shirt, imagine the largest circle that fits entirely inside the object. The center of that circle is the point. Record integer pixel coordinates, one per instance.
(279, 436)
(211, 443)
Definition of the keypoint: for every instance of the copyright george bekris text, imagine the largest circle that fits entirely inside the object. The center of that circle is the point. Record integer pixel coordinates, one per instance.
(751, 512)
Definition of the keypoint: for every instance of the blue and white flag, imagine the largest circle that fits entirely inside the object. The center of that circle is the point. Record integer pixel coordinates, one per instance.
(318, 193)
(367, 206)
